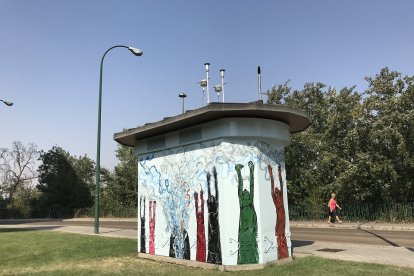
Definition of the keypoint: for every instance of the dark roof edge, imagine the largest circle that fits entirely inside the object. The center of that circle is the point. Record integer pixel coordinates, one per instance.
(297, 120)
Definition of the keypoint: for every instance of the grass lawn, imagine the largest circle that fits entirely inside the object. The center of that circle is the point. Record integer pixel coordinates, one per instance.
(31, 252)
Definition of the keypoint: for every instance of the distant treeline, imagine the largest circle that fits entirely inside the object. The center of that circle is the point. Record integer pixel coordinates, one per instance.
(62, 183)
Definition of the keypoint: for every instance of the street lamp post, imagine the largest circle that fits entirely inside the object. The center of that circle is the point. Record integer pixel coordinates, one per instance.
(136, 52)
(7, 102)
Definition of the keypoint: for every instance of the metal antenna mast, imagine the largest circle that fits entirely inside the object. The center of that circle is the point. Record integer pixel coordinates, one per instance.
(259, 78)
(222, 81)
(207, 65)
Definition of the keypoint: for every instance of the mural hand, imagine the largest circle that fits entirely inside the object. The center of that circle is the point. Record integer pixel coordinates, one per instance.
(269, 168)
(251, 165)
(238, 167)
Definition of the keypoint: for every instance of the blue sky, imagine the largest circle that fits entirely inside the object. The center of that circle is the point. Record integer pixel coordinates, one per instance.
(50, 53)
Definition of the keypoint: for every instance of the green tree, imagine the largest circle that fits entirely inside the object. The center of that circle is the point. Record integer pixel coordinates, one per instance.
(360, 144)
(381, 168)
(121, 190)
(61, 187)
(85, 170)
(389, 121)
(303, 156)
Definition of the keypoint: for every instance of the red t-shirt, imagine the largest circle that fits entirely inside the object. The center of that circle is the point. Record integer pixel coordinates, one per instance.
(332, 204)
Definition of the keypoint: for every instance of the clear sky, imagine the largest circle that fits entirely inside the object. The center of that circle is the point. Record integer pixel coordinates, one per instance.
(50, 53)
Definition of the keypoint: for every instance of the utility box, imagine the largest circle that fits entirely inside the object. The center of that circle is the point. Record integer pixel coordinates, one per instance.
(212, 183)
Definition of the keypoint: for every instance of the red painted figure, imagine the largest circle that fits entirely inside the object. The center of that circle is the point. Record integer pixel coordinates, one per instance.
(277, 196)
(201, 237)
(152, 211)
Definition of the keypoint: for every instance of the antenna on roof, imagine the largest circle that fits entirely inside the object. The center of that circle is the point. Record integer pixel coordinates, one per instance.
(259, 79)
(207, 65)
(182, 96)
(222, 81)
(203, 84)
(219, 88)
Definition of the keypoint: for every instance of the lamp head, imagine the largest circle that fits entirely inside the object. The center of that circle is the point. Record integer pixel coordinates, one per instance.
(7, 103)
(207, 65)
(182, 95)
(222, 72)
(137, 52)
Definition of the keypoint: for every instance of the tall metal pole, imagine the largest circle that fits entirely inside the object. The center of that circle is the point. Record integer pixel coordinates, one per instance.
(182, 96)
(222, 82)
(207, 65)
(259, 78)
(136, 52)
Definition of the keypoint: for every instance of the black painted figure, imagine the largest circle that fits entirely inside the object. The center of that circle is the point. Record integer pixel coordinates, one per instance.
(214, 245)
(172, 250)
(142, 216)
(186, 245)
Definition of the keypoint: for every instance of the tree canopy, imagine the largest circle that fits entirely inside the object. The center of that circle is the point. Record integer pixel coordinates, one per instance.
(121, 189)
(60, 184)
(360, 145)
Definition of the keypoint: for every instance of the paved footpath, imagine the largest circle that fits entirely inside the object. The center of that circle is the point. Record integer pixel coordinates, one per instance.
(354, 225)
(381, 254)
(392, 255)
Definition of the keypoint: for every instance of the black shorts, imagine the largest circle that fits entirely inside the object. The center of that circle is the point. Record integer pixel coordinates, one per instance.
(333, 213)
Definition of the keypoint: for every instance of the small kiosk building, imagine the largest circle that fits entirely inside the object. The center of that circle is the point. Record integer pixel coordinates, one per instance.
(212, 183)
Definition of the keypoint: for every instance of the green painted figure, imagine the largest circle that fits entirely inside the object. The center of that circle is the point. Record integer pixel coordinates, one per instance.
(248, 251)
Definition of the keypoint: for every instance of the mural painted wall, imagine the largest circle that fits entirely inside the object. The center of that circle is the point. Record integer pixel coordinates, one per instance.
(205, 202)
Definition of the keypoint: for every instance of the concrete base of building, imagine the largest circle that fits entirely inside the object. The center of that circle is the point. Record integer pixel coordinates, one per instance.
(192, 263)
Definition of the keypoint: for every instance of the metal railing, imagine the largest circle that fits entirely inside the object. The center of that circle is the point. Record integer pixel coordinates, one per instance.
(383, 212)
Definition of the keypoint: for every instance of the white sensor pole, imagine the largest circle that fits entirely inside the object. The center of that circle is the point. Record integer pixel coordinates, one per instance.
(207, 65)
(222, 82)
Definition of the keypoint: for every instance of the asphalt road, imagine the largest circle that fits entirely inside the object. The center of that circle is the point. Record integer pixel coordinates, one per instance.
(355, 236)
